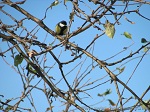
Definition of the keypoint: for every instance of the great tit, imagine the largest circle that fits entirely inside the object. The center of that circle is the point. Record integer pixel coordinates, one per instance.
(61, 28)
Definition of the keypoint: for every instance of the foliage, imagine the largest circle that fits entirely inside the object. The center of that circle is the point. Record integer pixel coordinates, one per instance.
(18, 60)
(127, 35)
(109, 29)
(107, 92)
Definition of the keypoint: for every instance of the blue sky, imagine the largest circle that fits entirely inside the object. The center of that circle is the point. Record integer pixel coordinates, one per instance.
(11, 86)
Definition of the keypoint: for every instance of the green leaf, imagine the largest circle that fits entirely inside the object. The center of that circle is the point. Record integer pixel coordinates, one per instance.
(31, 70)
(145, 49)
(18, 60)
(121, 69)
(127, 35)
(54, 4)
(109, 29)
(111, 102)
(99, 94)
(107, 92)
(143, 40)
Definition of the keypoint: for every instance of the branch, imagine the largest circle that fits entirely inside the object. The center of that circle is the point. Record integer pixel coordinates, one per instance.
(38, 70)
(129, 56)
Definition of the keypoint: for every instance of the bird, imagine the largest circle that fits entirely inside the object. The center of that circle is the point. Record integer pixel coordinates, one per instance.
(61, 28)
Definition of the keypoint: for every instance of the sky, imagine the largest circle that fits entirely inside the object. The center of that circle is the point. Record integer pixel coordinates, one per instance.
(104, 47)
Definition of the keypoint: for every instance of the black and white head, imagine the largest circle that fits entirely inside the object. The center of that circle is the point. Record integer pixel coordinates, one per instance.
(61, 28)
(62, 23)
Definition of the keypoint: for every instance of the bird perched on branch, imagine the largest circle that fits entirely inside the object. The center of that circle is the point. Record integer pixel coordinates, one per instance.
(61, 28)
